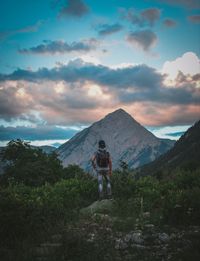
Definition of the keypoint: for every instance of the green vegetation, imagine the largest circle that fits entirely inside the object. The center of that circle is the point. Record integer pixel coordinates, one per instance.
(30, 166)
(38, 198)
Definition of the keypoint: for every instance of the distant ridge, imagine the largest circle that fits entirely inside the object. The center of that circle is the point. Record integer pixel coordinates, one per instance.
(185, 153)
(126, 140)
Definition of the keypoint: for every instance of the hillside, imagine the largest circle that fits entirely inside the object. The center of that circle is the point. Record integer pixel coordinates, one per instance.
(185, 153)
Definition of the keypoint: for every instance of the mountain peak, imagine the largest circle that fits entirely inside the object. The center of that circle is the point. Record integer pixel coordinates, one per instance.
(119, 114)
(119, 111)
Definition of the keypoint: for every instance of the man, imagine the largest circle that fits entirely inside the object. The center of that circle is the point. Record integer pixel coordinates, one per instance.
(102, 164)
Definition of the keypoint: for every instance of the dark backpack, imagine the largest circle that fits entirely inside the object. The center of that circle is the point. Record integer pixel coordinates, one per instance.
(102, 158)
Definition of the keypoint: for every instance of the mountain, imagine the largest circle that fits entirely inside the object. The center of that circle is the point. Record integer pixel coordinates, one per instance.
(185, 153)
(46, 148)
(125, 138)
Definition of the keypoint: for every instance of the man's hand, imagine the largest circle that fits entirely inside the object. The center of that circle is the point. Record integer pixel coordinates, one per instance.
(110, 167)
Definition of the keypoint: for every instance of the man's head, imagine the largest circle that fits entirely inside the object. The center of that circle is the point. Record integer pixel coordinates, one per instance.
(102, 144)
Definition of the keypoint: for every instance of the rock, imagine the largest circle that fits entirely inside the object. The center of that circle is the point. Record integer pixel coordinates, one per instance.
(173, 236)
(163, 237)
(120, 244)
(177, 206)
(138, 246)
(103, 206)
(149, 227)
(102, 217)
(128, 238)
(91, 237)
(146, 214)
(56, 238)
(135, 237)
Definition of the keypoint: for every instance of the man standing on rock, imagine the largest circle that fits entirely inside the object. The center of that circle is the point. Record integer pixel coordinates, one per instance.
(102, 164)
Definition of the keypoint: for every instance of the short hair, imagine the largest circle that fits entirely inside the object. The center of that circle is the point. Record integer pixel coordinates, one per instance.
(102, 144)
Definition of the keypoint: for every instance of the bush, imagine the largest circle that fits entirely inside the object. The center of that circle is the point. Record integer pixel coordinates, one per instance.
(26, 212)
(123, 184)
(173, 201)
(74, 171)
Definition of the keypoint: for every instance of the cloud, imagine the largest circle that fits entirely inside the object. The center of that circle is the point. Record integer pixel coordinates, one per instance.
(182, 94)
(146, 17)
(159, 114)
(151, 15)
(144, 39)
(169, 22)
(80, 71)
(12, 102)
(43, 132)
(107, 29)
(175, 134)
(74, 8)
(27, 29)
(169, 132)
(191, 4)
(194, 19)
(59, 94)
(188, 63)
(61, 47)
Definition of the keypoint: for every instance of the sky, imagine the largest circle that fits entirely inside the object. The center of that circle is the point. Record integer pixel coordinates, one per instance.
(65, 64)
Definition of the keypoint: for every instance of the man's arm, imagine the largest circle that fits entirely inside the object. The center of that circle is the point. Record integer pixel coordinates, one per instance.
(110, 166)
(94, 162)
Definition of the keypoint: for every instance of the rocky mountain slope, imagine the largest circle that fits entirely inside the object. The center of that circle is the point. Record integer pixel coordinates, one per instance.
(126, 140)
(186, 152)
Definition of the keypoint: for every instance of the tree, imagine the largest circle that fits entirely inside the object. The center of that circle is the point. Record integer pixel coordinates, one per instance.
(123, 166)
(29, 165)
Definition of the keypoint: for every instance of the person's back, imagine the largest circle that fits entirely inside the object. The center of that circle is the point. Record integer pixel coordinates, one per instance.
(102, 163)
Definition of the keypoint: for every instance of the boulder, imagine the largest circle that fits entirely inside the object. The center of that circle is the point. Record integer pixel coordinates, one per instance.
(104, 206)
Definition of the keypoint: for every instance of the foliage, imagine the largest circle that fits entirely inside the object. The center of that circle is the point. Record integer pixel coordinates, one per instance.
(174, 201)
(123, 184)
(74, 171)
(123, 165)
(40, 197)
(24, 210)
(30, 166)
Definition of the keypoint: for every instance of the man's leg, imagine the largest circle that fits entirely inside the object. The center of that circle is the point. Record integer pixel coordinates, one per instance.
(108, 185)
(100, 185)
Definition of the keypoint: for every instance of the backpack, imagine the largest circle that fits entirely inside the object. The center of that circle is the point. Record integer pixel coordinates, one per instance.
(102, 158)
